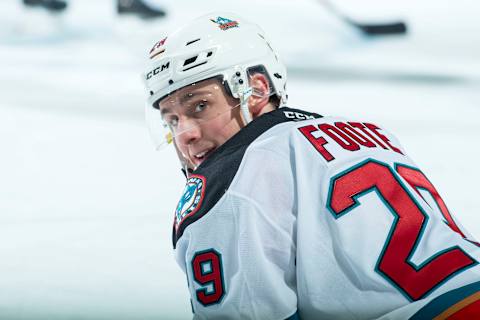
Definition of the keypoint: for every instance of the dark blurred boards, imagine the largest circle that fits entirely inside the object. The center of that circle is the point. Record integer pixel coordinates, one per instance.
(123, 7)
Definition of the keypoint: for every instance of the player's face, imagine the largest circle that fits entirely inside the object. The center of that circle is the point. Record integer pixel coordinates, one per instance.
(201, 117)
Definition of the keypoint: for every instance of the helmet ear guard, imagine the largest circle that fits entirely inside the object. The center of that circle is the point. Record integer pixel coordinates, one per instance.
(240, 89)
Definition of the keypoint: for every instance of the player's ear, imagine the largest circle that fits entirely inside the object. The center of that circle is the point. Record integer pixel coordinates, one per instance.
(258, 101)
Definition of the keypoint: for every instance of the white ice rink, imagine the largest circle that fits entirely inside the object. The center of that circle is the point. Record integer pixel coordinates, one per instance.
(86, 204)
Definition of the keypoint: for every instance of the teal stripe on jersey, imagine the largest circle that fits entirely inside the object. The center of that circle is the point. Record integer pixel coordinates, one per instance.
(445, 301)
(294, 316)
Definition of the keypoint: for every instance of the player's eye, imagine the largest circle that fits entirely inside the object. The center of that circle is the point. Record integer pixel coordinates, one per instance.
(199, 107)
(172, 121)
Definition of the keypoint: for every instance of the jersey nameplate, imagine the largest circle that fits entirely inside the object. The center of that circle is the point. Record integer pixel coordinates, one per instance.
(351, 136)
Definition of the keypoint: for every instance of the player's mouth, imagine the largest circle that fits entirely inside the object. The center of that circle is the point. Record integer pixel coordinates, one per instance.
(199, 157)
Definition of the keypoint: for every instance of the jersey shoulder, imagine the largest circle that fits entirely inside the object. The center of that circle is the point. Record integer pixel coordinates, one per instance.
(209, 182)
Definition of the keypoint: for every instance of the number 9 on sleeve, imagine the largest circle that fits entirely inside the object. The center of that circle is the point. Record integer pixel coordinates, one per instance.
(208, 273)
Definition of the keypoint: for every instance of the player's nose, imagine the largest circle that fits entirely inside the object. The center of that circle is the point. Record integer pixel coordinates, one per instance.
(189, 132)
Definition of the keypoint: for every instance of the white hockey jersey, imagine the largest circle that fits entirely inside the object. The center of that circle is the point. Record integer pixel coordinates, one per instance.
(307, 217)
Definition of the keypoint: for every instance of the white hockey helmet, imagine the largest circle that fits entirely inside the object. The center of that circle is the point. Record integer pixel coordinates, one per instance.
(218, 44)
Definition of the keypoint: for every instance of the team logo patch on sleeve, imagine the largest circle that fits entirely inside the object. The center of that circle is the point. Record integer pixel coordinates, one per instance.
(191, 199)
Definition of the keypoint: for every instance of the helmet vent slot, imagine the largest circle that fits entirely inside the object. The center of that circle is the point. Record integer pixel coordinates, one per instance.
(197, 65)
(193, 41)
(190, 60)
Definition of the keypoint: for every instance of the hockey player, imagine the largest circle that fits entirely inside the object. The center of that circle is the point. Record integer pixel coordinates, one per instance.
(290, 215)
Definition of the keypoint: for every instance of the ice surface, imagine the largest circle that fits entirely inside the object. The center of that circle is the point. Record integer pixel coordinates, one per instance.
(86, 203)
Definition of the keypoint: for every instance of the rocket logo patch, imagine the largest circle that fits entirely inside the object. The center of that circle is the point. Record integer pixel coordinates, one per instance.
(224, 23)
(191, 199)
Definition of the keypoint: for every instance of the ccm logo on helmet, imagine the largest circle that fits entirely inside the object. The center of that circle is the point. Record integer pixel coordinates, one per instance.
(157, 70)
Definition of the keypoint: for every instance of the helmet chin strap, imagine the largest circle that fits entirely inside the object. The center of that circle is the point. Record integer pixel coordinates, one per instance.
(184, 163)
(244, 96)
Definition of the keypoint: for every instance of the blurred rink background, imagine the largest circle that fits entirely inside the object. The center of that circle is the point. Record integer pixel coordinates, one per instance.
(86, 204)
